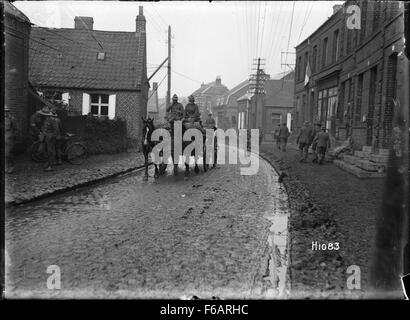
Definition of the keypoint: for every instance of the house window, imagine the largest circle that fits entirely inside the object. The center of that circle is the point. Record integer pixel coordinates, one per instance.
(299, 66)
(335, 46)
(324, 52)
(363, 21)
(100, 55)
(358, 111)
(314, 59)
(305, 64)
(233, 120)
(99, 104)
(376, 15)
(327, 106)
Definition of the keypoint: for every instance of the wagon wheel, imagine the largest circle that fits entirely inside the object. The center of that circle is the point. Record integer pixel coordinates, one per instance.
(76, 153)
(38, 152)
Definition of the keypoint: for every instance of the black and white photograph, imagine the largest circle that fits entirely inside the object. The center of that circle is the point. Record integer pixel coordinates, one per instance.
(205, 150)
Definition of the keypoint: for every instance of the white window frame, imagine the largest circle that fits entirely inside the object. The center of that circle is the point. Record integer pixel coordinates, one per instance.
(99, 105)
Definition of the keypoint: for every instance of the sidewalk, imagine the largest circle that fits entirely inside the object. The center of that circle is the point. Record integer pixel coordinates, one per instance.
(30, 182)
(328, 205)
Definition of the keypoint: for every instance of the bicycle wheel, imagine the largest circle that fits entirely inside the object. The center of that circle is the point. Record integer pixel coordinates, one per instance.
(38, 152)
(76, 153)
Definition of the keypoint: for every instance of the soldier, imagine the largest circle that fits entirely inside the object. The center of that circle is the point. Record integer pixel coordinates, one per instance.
(175, 110)
(316, 129)
(303, 140)
(210, 122)
(276, 136)
(59, 136)
(36, 122)
(283, 136)
(49, 130)
(322, 140)
(192, 111)
(10, 131)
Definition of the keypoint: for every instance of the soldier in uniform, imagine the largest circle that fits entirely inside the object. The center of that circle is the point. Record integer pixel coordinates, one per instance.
(50, 131)
(276, 136)
(210, 122)
(59, 136)
(316, 129)
(323, 143)
(36, 122)
(175, 110)
(303, 140)
(192, 111)
(10, 131)
(283, 135)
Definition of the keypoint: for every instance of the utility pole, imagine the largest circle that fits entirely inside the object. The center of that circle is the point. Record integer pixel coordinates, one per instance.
(168, 101)
(257, 87)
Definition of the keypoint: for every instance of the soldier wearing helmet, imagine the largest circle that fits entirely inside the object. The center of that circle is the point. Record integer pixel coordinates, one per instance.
(175, 110)
(192, 111)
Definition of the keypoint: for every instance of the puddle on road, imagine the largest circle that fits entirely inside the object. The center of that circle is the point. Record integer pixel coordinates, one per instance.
(277, 240)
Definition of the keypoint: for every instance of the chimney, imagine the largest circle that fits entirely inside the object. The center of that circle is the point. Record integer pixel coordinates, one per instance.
(337, 7)
(85, 23)
(140, 21)
(218, 80)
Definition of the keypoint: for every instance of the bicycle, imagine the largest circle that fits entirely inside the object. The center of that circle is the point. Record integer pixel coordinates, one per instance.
(73, 152)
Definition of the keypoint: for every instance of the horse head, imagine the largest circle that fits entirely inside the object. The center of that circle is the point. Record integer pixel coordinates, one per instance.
(147, 129)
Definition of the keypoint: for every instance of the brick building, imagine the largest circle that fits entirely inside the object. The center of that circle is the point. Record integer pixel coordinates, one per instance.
(207, 95)
(355, 74)
(17, 91)
(96, 72)
(226, 108)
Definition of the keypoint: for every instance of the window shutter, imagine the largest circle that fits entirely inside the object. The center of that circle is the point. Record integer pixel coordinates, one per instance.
(111, 106)
(65, 97)
(86, 104)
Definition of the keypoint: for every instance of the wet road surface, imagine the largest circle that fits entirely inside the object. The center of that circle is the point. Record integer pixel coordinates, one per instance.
(208, 235)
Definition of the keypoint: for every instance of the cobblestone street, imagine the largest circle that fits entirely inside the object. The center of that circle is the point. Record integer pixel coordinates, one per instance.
(207, 236)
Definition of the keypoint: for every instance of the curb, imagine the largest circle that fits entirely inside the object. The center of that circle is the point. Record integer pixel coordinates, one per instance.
(75, 186)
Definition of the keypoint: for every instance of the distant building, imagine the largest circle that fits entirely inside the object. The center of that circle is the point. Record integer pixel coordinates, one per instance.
(207, 95)
(102, 73)
(226, 108)
(355, 79)
(273, 107)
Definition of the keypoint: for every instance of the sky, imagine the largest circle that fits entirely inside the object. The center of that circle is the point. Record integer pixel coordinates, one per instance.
(208, 39)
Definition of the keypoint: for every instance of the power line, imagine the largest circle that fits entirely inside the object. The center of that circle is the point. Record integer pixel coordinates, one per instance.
(157, 87)
(263, 27)
(305, 20)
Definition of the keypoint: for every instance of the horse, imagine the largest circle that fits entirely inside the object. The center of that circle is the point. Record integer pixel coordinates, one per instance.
(147, 146)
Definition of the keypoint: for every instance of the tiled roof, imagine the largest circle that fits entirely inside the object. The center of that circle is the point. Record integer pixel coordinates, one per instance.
(16, 13)
(67, 58)
(234, 90)
(211, 88)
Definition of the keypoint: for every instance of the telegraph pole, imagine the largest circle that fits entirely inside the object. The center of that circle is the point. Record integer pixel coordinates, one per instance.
(257, 87)
(168, 100)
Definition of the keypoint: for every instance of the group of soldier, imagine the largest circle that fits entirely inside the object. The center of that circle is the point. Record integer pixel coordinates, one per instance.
(46, 126)
(309, 136)
(176, 112)
(317, 137)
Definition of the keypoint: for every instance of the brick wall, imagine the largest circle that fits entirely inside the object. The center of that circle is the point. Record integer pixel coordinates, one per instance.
(369, 116)
(16, 72)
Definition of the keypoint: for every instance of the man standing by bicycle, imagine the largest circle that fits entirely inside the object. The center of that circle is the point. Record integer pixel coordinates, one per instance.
(59, 135)
(49, 131)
